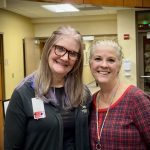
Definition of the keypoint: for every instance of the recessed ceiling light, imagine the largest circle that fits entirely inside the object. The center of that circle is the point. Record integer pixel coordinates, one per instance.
(61, 8)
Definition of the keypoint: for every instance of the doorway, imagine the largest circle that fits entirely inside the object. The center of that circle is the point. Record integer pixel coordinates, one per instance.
(144, 59)
(32, 48)
(143, 50)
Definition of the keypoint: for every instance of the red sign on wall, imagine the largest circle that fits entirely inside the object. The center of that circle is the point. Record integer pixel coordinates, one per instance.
(126, 36)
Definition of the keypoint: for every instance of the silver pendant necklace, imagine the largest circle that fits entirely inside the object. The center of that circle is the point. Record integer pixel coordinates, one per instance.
(99, 134)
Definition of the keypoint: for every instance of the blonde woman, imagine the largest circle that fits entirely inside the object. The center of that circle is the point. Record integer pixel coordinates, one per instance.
(120, 114)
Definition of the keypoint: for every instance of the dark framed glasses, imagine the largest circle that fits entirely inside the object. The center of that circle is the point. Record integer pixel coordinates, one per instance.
(61, 51)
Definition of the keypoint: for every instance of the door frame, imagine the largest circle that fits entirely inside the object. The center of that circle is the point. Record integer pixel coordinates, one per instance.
(2, 88)
(2, 67)
(139, 51)
(140, 60)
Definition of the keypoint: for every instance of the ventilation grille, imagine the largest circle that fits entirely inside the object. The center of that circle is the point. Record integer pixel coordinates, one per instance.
(89, 7)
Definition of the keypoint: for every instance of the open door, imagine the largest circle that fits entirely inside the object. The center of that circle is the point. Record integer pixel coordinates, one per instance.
(144, 65)
(32, 54)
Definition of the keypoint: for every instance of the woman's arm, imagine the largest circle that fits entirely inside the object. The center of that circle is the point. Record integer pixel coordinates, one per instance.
(15, 124)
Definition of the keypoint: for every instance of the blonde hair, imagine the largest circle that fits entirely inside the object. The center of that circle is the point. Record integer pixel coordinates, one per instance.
(73, 81)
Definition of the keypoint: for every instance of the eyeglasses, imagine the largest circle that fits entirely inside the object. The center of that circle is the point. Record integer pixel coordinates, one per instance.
(61, 51)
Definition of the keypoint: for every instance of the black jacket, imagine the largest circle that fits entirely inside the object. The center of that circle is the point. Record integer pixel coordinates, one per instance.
(23, 132)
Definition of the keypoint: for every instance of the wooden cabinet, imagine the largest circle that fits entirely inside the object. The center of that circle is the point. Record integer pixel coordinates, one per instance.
(49, 1)
(61, 1)
(117, 3)
(133, 3)
(73, 1)
(114, 3)
(146, 3)
(105, 2)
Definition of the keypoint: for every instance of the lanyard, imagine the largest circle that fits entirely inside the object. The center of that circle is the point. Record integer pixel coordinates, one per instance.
(98, 144)
(99, 133)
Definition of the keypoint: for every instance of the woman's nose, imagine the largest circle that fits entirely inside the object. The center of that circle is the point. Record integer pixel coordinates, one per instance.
(65, 57)
(104, 63)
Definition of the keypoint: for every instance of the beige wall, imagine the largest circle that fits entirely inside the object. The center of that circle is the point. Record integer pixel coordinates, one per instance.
(126, 25)
(14, 28)
(95, 25)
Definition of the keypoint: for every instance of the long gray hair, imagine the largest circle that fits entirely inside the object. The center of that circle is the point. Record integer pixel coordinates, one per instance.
(73, 80)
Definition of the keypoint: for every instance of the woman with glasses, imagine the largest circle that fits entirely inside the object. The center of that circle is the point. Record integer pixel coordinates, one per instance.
(49, 109)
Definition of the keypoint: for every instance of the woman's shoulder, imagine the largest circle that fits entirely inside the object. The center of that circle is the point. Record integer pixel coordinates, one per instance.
(137, 95)
(134, 90)
(127, 89)
(25, 86)
(28, 81)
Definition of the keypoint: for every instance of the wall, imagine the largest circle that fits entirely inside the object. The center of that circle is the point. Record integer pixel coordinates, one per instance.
(95, 25)
(126, 25)
(123, 22)
(14, 28)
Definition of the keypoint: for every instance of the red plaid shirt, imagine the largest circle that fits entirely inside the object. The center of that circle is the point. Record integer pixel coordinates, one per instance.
(127, 126)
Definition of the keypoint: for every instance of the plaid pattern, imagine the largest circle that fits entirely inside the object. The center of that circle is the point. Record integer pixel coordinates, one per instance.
(127, 126)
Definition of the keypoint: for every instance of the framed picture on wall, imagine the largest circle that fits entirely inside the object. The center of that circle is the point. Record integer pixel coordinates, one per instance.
(87, 45)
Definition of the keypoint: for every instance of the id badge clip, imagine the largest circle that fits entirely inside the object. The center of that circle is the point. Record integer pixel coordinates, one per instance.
(38, 108)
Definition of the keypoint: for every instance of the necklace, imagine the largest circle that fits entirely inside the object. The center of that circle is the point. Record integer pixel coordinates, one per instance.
(98, 143)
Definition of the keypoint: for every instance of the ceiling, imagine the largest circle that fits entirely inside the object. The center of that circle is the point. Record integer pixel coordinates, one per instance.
(34, 10)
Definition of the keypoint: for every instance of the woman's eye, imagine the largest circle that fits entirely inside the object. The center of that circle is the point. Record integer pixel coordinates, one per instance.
(98, 59)
(61, 49)
(73, 54)
(111, 60)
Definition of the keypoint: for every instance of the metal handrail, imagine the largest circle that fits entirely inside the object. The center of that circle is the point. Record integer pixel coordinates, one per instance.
(145, 76)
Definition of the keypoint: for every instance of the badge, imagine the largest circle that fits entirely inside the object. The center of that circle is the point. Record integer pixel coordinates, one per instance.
(38, 108)
(84, 109)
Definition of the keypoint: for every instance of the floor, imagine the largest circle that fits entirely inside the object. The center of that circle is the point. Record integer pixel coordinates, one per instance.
(93, 88)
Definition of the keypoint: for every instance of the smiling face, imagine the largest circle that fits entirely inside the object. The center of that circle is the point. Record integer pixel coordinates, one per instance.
(62, 65)
(105, 64)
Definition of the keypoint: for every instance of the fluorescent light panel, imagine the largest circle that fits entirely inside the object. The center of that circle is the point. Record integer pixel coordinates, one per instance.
(60, 8)
(88, 38)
